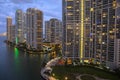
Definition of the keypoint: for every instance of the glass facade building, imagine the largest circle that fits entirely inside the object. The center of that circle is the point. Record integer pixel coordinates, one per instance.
(53, 31)
(105, 24)
(91, 30)
(9, 28)
(34, 28)
(19, 26)
(76, 29)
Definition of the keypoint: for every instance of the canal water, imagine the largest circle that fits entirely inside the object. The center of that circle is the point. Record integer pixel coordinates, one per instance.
(17, 65)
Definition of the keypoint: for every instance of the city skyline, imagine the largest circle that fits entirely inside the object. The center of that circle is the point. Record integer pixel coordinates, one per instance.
(72, 39)
(9, 7)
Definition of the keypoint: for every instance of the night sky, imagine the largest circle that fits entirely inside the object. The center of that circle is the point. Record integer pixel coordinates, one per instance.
(50, 8)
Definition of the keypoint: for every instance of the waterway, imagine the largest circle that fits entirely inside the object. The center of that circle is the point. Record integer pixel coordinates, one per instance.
(17, 65)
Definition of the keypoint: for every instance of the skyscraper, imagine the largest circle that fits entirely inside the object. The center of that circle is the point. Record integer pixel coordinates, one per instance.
(47, 31)
(105, 25)
(117, 60)
(13, 34)
(25, 26)
(76, 29)
(53, 31)
(34, 27)
(19, 22)
(9, 25)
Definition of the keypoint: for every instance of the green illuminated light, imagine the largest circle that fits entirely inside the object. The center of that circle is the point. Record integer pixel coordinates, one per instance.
(16, 52)
(16, 40)
(16, 58)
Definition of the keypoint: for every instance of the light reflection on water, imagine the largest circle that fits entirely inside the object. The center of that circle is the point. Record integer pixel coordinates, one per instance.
(16, 51)
(17, 65)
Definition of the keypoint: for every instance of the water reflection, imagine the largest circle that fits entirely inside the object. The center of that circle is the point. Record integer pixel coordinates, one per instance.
(18, 65)
(17, 60)
(16, 51)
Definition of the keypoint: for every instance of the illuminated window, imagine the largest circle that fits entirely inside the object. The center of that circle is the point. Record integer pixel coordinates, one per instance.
(103, 42)
(113, 16)
(77, 24)
(100, 40)
(69, 0)
(69, 7)
(104, 14)
(91, 9)
(103, 33)
(68, 43)
(110, 31)
(77, 1)
(87, 19)
(103, 25)
(77, 10)
(114, 3)
(112, 37)
(77, 28)
(77, 33)
(91, 39)
(69, 14)
(69, 27)
(77, 42)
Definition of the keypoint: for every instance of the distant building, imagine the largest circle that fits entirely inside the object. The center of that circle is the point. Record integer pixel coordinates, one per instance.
(53, 31)
(47, 31)
(19, 28)
(25, 27)
(9, 26)
(13, 34)
(34, 27)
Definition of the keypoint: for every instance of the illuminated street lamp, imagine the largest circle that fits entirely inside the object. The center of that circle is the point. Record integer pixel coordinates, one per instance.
(66, 78)
(53, 74)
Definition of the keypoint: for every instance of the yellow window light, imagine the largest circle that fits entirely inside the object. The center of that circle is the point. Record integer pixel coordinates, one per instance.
(114, 3)
(69, 0)
(82, 30)
(91, 9)
(69, 14)
(69, 7)
(86, 61)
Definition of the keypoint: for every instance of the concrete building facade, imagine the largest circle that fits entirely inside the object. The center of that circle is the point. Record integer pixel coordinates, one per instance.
(9, 26)
(53, 31)
(76, 29)
(34, 27)
(105, 22)
(19, 28)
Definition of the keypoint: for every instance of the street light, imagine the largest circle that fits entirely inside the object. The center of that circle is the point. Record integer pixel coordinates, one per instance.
(66, 78)
(53, 74)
